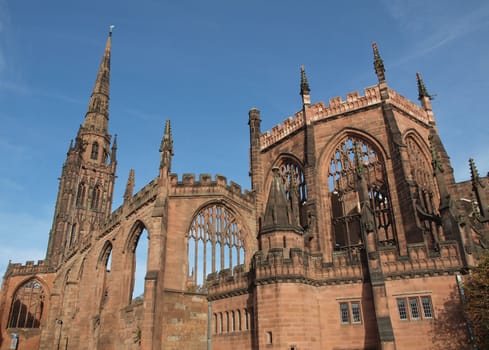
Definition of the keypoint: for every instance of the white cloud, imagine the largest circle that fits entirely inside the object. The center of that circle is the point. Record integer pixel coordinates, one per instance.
(434, 28)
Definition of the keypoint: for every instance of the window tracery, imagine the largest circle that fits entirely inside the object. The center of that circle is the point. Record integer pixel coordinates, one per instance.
(80, 197)
(351, 154)
(214, 244)
(96, 192)
(27, 306)
(425, 194)
(294, 186)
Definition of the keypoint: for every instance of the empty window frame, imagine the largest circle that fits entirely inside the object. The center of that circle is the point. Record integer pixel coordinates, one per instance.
(415, 308)
(214, 243)
(351, 152)
(27, 306)
(350, 312)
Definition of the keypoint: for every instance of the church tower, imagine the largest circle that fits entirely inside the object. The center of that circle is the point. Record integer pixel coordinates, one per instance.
(87, 180)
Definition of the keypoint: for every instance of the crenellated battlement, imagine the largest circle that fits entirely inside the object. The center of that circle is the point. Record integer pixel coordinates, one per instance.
(421, 261)
(206, 184)
(407, 106)
(280, 131)
(320, 111)
(29, 268)
(143, 196)
(353, 102)
(294, 265)
(337, 106)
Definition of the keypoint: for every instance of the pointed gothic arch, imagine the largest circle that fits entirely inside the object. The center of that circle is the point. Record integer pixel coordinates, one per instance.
(291, 171)
(350, 150)
(28, 304)
(425, 191)
(136, 277)
(215, 241)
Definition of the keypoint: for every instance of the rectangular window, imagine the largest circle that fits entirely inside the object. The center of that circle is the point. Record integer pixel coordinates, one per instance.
(401, 306)
(413, 304)
(344, 313)
(419, 308)
(427, 311)
(355, 312)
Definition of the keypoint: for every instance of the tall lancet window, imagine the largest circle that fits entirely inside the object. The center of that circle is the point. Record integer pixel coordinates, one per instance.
(214, 243)
(426, 196)
(27, 306)
(94, 154)
(96, 193)
(344, 187)
(294, 186)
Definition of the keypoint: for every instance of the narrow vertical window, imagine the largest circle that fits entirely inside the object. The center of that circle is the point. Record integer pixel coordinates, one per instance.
(72, 235)
(427, 310)
(94, 154)
(414, 305)
(401, 306)
(80, 196)
(269, 338)
(95, 198)
(344, 313)
(355, 312)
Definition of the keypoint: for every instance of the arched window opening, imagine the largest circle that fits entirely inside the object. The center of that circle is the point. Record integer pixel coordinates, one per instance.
(27, 306)
(295, 188)
(221, 327)
(247, 319)
(140, 259)
(94, 154)
(238, 315)
(80, 196)
(350, 154)
(214, 244)
(96, 193)
(425, 192)
(72, 235)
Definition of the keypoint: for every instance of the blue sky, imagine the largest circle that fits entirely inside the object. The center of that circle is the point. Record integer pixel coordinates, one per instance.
(204, 64)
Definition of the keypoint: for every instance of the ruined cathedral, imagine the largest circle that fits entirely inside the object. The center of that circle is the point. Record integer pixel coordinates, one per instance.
(354, 235)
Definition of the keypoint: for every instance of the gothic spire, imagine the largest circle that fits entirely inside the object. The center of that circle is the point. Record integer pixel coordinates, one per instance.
(378, 64)
(129, 186)
(166, 147)
(422, 91)
(98, 108)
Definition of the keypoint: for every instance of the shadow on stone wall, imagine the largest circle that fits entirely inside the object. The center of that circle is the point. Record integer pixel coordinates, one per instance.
(449, 329)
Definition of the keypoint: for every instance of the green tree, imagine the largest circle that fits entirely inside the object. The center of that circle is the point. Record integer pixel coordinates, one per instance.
(477, 302)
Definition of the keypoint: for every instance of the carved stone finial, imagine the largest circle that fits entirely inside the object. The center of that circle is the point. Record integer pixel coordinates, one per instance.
(474, 173)
(305, 90)
(422, 91)
(378, 63)
(166, 147)
(129, 186)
